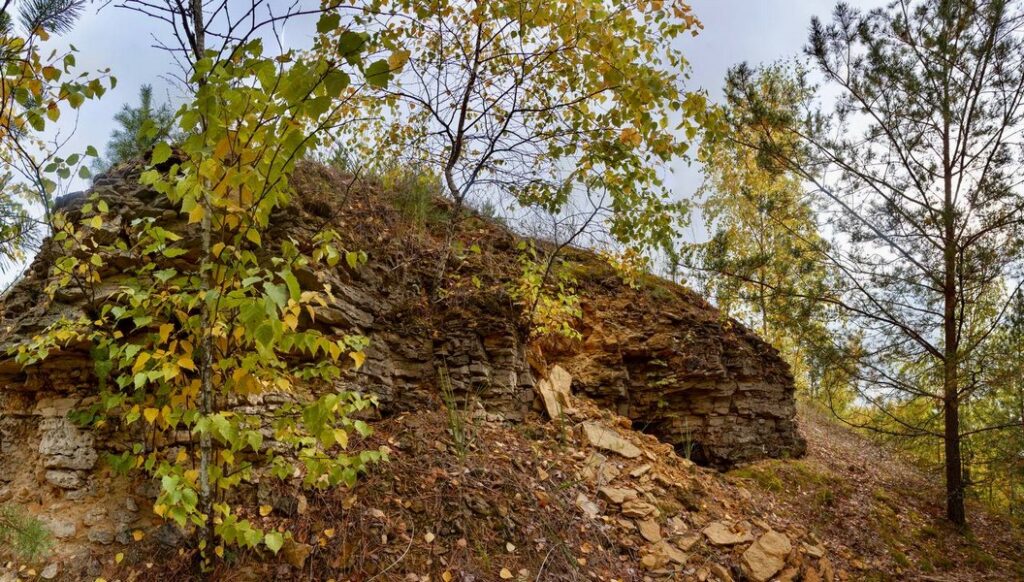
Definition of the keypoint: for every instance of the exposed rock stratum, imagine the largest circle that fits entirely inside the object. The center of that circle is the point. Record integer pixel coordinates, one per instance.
(656, 354)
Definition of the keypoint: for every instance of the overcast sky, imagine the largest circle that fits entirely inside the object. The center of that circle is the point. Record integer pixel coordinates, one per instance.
(756, 31)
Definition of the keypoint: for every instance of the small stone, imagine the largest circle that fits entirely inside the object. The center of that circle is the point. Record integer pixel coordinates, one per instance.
(815, 551)
(688, 541)
(61, 529)
(617, 495)
(719, 571)
(654, 561)
(101, 536)
(676, 526)
(587, 506)
(95, 516)
(639, 509)
(668, 550)
(650, 530)
(639, 471)
(766, 557)
(49, 572)
(609, 440)
(721, 534)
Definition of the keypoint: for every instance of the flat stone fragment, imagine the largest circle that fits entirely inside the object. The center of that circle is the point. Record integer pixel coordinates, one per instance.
(766, 557)
(609, 440)
(687, 541)
(639, 509)
(555, 391)
(617, 495)
(721, 534)
(816, 551)
(639, 471)
(587, 506)
(649, 529)
(721, 573)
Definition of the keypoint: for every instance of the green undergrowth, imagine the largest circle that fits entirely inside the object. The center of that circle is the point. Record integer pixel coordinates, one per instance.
(796, 476)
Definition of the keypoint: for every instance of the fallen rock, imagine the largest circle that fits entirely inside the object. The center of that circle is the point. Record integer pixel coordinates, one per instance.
(555, 391)
(609, 440)
(61, 529)
(687, 541)
(721, 573)
(671, 552)
(766, 557)
(639, 471)
(598, 469)
(101, 536)
(815, 551)
(617, 495)
(639, 509)
(722, 534)
(49, 572)
(653, 561)
(650, 530)
(587, 506)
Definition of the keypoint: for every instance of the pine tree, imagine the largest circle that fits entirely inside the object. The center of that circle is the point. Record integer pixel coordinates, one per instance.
(140, 128)
(54, 16)
(917, 169)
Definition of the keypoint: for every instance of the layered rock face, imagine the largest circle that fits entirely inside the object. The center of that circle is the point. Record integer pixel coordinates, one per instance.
(671, 363)
(657, 354)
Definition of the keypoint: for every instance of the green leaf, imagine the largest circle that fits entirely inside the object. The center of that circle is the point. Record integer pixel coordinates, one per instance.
(277, 293)
(335, 82)
(378, 74)
(161, 153)
(328, 22)
(350, 44)
(265, 335)
(274, 540)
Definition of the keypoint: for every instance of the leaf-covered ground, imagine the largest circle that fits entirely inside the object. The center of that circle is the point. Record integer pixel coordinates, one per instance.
(882, 516)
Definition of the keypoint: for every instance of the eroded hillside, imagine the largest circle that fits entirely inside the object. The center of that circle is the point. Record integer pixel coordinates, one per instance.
(548, 460)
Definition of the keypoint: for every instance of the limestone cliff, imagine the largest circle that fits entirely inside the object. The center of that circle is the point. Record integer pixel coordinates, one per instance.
(656, 354)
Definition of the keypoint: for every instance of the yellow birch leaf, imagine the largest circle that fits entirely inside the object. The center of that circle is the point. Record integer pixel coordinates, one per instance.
(187, 363)
(165, 331)
(151, 415)
(196, 214)
(358, 357)
(341, 437)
